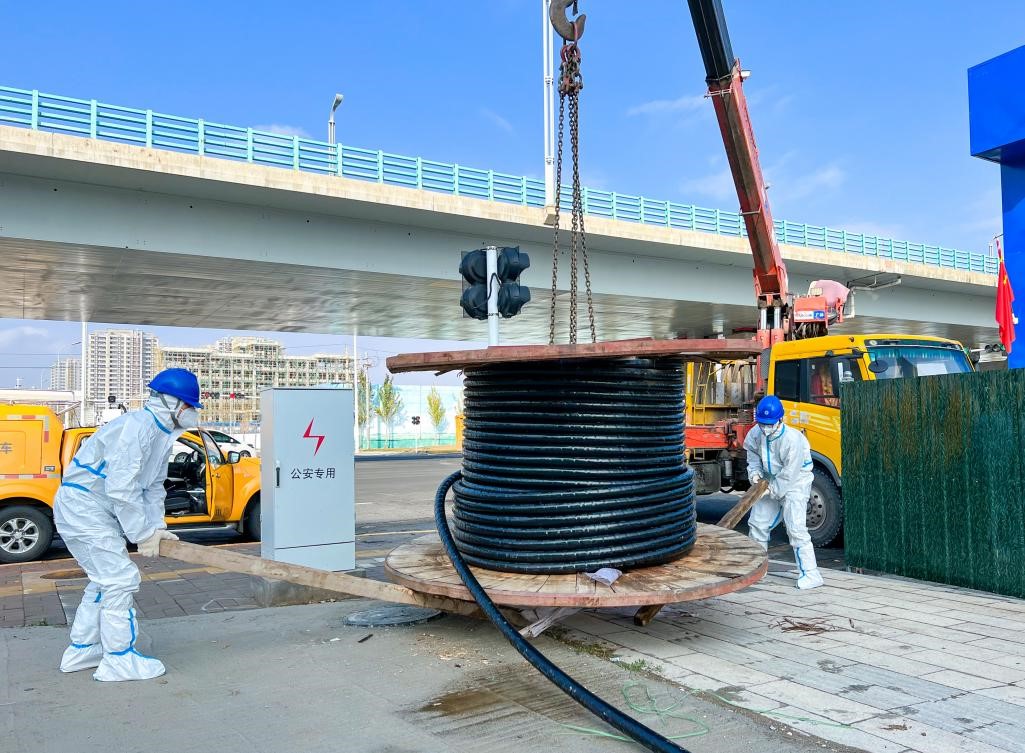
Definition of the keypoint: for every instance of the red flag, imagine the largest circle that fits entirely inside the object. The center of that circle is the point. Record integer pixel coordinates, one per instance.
(1005, 297)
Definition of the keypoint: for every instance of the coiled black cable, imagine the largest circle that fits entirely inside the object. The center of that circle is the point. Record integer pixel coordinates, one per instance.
(574, 465)
(603, 710)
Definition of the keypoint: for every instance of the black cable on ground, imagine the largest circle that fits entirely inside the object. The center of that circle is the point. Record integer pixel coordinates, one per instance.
(575, 465)
(611, 715)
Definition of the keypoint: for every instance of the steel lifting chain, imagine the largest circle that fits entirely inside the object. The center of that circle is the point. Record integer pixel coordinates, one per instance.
(570, 84)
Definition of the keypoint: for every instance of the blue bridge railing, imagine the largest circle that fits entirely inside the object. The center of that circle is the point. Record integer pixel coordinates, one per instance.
(92, 119)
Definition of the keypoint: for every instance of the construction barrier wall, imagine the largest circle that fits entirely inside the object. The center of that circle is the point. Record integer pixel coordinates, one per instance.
(934, 478)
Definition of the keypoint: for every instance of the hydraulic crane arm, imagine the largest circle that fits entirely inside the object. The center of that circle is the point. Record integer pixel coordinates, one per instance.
(725, 87)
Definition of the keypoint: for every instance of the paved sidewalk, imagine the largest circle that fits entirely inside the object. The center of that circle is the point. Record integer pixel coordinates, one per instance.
(885, 665)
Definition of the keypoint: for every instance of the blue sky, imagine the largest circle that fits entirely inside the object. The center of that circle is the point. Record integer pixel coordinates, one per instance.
(860, 109)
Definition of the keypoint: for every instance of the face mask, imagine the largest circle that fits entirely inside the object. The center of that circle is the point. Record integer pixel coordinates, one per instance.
(768, 430)
(183, 415)
(187, 417)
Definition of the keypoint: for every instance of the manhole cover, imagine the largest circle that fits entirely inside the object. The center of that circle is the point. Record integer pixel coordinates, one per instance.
(63, 574)
(398, 615)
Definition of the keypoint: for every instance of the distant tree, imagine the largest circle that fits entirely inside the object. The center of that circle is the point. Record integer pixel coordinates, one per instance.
(388, 406)
(366, 400)
(436, 411)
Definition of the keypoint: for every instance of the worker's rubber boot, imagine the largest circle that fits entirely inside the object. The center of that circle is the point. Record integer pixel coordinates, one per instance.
(121, 661)
(85, 651)
(809, 576)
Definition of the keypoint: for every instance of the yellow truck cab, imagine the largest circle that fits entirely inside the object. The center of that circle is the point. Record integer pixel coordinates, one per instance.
(206, 487)
(806, 376)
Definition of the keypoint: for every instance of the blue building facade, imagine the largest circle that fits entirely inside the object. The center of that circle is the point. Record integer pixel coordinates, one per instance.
(996, 104)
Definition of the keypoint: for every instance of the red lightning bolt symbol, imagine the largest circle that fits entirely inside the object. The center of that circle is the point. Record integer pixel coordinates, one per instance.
(318, 437)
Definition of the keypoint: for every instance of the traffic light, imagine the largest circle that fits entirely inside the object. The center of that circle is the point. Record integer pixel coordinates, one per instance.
(474, 269)
(511, 295)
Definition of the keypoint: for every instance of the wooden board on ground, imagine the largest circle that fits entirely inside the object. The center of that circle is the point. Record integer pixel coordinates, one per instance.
(720, 562)
(310, 576)
(450, 360)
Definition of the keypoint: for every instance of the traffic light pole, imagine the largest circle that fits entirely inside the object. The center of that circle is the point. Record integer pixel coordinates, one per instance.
(492, 283)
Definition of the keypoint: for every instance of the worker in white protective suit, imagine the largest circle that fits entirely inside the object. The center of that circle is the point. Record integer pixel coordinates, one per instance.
(782, 456)
(112, 489)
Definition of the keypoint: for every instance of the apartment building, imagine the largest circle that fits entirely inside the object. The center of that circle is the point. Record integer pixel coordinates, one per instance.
(66, 374)
(120, 364)
(234, 370)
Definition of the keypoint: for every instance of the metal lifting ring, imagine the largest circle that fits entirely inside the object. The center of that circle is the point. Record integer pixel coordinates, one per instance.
(570, 31)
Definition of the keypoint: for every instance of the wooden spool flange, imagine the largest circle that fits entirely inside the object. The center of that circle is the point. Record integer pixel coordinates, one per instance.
(685, 350)
(721, 561)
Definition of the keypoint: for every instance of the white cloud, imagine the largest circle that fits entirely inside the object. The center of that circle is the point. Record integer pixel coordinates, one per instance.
(717, 185)
(825, 178)
(786, 186)
(686, 103)
(283, 130)
(497, 120)
(10, 336)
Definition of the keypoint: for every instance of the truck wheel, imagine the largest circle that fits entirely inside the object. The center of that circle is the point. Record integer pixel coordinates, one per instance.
(825, 510)
(251, 521)
(25, 533)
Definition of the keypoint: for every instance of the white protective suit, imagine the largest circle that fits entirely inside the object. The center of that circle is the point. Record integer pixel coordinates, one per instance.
(783, 458)
(112, 489)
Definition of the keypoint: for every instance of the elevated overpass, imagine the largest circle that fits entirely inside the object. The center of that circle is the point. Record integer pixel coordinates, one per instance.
(119, 215)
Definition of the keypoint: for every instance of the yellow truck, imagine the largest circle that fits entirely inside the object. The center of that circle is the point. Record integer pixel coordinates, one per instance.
(206, 487)
(806, 376)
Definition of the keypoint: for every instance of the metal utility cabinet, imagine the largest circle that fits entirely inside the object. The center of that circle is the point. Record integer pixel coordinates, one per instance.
(307, 477)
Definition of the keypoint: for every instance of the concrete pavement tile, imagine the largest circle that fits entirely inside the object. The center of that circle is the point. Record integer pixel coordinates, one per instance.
(914, 686)
(648, 645)
(966, 712)
(739, 697)
(978, 667)
(894, 597)
(591, 623)
(1001, 735)
(723, 649)
(891, 645)
(812, 700)
(804, 640)
(1007, 693)
(1017, 662)
(810, 657)
(924, 738)
(987, 709)
(972, 618)
(960, 634)
(1001, 646)
(727, 672)
(899, 664)
(992, 632)
(960, 680)
(728, 619)
(916, 614)
(842, 734)
(839, 683)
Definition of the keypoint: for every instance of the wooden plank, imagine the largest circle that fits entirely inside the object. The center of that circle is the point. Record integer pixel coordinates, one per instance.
(739, 510)
(308, 576)
(449, 360)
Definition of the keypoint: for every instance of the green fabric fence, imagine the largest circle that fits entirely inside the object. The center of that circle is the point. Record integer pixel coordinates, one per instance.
(934, 478)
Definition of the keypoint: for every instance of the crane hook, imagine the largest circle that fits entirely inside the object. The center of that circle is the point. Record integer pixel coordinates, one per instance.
(570, 31)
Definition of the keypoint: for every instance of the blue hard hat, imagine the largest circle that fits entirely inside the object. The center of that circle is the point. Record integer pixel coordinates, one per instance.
(179, 383)
(769, 410)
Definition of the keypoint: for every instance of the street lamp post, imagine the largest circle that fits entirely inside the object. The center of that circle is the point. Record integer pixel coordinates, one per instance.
(331, 120)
